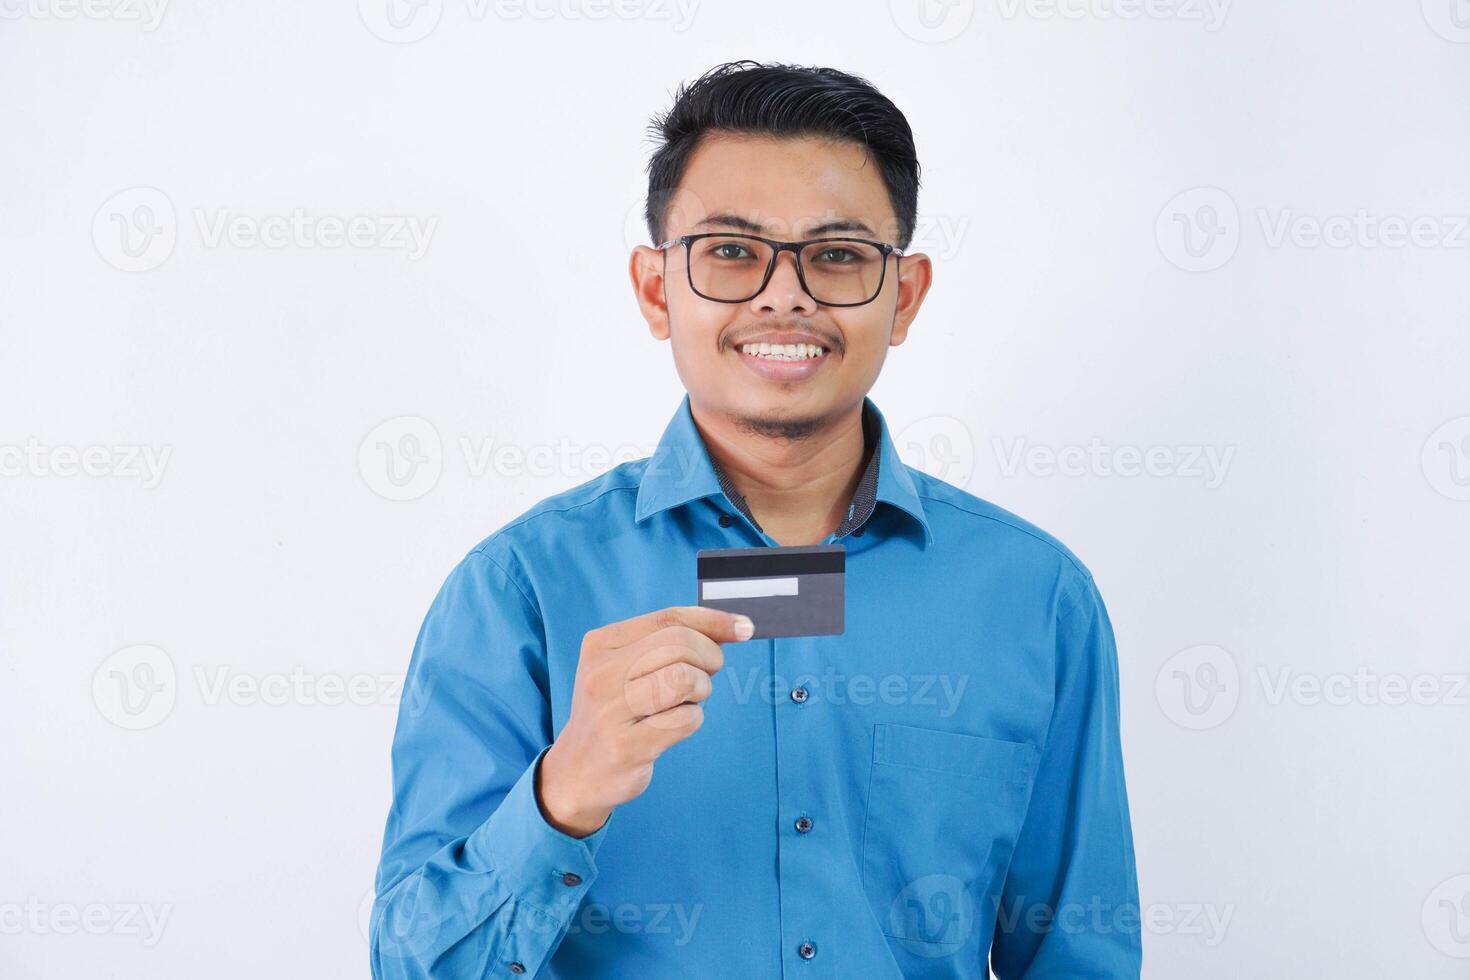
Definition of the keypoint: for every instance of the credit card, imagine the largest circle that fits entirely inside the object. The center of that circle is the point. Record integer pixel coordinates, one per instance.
(786, 591)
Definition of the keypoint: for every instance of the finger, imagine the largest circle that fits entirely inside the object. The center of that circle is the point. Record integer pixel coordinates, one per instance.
(717, 624)
(671, 645)
(663, 689)
(657, 732)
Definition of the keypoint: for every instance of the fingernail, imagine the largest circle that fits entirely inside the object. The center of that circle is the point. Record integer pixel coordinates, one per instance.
(744, 628)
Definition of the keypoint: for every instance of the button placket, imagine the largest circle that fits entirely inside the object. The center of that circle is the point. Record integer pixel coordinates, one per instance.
(802, 723)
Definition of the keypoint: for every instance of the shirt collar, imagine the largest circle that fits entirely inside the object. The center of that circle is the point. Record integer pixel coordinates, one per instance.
(681, 470)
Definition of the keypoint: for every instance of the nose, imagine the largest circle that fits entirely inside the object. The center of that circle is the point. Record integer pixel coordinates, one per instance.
(783, 293)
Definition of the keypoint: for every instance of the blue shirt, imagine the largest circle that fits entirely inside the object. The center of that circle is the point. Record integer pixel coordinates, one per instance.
(940, 785)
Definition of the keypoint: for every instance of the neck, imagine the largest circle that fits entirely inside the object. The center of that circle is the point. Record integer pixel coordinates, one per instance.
(798, 487)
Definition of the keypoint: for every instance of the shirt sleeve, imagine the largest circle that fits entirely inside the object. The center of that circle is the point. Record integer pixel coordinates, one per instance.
(1069, 907)
(473, 881)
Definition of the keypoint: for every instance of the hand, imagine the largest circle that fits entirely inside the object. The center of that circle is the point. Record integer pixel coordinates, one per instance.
(638, 690)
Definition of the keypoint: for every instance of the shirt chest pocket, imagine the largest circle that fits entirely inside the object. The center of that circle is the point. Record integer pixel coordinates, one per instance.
(944, 811)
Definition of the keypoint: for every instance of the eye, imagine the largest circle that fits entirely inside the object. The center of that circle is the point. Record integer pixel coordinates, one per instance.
(837, 255)
(730, 250)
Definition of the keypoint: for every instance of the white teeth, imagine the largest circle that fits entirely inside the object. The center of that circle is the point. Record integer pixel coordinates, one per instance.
(784, 352)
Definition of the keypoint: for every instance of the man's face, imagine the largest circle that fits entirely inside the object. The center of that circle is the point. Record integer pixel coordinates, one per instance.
(785, 189)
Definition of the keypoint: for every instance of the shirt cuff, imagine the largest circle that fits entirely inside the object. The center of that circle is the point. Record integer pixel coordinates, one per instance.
(538, 863)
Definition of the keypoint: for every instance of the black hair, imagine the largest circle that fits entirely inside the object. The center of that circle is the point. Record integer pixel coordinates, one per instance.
(748, 97)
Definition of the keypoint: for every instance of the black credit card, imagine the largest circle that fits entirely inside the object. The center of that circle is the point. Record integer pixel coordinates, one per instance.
(786, 591)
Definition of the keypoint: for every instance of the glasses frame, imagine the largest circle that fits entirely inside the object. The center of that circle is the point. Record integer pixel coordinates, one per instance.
(777, 247)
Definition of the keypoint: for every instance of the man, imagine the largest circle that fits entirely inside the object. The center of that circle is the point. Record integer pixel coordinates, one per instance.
(606, 780)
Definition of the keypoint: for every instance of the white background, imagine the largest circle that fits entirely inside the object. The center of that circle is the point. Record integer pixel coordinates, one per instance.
(198, 657)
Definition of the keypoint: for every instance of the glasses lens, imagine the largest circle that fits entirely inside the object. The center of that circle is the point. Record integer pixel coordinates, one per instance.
(842, 270)
(728, 267)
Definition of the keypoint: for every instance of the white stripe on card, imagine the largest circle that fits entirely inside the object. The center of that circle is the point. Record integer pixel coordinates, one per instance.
(747, 588)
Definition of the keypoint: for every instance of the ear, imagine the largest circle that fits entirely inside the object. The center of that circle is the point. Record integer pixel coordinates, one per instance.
(646, 269)
(916, 273)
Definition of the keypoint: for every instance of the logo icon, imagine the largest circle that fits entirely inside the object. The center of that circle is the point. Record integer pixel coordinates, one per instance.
(1446, 917)
(941, 446)
(136, 687)
(1450, 19)
(402, 458)
(365, 914)
(401, 21)
(1199, 230)
(410, 925)
(1198, 687)
(932, 21)
(1445, 459)
(135, 229)
(935, 912)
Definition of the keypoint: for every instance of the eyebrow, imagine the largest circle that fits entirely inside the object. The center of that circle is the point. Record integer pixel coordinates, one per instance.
(725, 219)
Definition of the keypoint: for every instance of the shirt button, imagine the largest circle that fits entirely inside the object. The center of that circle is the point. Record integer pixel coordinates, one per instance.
(571, 878)
(807, 950)
(799, 695)
(726, 520)
(803, 824)
(517, 968)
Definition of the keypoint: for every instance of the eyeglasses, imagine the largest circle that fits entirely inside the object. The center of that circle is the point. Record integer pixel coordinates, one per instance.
(730, 268)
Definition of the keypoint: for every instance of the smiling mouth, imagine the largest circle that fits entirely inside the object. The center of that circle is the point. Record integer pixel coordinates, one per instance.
(784, 352)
